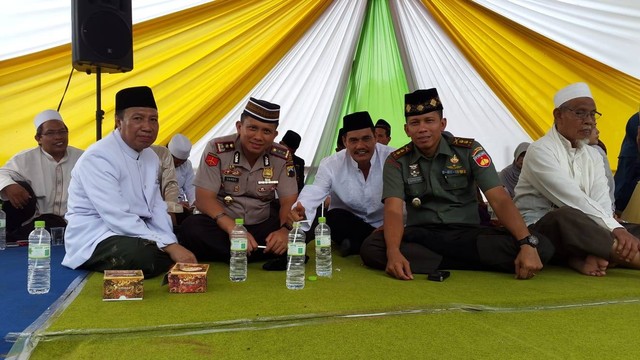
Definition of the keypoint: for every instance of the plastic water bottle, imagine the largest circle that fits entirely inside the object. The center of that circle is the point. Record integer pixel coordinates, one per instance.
(295, 258)
(238, 260)
(323, 248)
(3, 229)
(39, 273)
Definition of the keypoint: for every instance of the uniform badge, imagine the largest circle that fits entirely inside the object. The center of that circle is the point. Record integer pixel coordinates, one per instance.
(212, 159)
(267, 174)
(228, 200)
(481, 157)
(291, 171)
(236, 172)
(454, 162)
(226, 172)
(415, 176)
(236, 188)
(413, 170)
(261, 189)
(416, 202)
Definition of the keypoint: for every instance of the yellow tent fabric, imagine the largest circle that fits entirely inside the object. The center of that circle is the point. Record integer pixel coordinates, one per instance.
(200, 62)
(525, 70)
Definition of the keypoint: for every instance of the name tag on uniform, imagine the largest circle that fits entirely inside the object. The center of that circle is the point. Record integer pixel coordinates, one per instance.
(231, 179)
(415, 180)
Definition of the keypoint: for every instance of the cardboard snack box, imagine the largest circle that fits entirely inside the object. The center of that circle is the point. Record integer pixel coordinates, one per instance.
(122, 285)
(188, 278)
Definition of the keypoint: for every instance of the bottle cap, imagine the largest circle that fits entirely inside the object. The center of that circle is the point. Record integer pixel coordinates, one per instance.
(322, 219)
(39, 224)
(239, 221)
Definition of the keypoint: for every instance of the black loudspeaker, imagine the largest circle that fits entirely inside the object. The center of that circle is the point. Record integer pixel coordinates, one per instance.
(101, 35)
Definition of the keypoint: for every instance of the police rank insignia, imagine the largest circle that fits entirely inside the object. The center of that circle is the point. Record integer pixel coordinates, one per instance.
(481, 157)
(225, 146)
(212, 159)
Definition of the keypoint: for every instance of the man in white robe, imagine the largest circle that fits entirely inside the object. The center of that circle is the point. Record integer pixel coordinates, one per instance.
(117, 218)
(34, 182)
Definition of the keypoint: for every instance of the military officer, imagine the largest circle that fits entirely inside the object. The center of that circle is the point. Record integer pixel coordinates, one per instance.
(238, 177)
(436, 175)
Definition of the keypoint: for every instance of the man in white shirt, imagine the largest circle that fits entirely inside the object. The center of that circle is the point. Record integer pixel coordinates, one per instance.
(117, 218)
(34, 182)
(353, 179)
(180, 148)
(563, 191)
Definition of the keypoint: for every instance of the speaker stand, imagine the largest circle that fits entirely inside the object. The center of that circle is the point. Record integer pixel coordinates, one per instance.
(99, 111)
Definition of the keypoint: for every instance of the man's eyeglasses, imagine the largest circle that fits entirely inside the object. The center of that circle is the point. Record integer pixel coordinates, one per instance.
(581, 114)
(54, 133)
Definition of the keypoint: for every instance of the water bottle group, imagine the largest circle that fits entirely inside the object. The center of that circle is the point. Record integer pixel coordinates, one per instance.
(296, 252)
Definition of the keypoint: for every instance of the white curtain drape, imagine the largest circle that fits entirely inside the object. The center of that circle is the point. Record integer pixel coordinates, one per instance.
(307, 83)
(606, 31)
(470, 106)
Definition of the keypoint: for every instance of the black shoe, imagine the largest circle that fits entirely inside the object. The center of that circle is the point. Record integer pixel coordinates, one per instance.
(279, 264)
(345, 248)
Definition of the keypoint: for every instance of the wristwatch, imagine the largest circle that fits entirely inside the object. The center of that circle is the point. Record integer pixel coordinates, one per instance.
(286, 226)
(530, 240)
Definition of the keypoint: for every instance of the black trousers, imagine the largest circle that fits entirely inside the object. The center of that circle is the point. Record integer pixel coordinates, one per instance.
(129, 253)
(574, 234)
(15, 217)
(463, 247)
(345, 225)
(208, 242)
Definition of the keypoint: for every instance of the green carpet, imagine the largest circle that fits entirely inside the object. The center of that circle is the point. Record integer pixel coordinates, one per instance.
(559, 314)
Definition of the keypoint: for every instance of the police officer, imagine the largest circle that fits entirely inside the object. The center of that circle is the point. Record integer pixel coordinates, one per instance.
(238, 177)
(436, 175)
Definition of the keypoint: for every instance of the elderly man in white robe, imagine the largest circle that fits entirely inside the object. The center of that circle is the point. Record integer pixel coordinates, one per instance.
(34, 182)
(117, 219)
(563, 193)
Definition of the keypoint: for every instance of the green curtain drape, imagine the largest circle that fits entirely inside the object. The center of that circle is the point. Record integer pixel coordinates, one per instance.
(378, 83)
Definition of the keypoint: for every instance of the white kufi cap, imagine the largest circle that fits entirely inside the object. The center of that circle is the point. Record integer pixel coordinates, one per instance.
(571, 92)
(180, 146)
(45, 116)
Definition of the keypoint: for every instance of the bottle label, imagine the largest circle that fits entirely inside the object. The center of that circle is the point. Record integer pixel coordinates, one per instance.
(39, 251)
(239, 244)
(3, 223)
(297, 249)
(323, 241)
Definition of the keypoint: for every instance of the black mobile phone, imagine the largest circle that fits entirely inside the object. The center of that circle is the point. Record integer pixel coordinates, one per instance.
(439, 275)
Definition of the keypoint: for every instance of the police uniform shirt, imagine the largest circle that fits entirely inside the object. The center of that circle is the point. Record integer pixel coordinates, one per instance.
(245, 191)
(441, 190)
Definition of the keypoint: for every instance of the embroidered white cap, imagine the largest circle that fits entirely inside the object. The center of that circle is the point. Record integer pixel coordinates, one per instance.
(571, 92)
(180, 146)
(46, 115)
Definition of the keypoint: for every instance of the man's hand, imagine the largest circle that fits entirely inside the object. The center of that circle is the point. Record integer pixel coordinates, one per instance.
(398, 265)
(17, 195)
(527, 262)
(297, 213)
(626, 245)
(252, 244)
(277, 242)
(179, 253)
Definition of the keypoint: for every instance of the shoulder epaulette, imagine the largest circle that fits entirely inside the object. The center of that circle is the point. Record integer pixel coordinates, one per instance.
(402, 151)
(461, 142)
(280, 151)
(224, 146)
